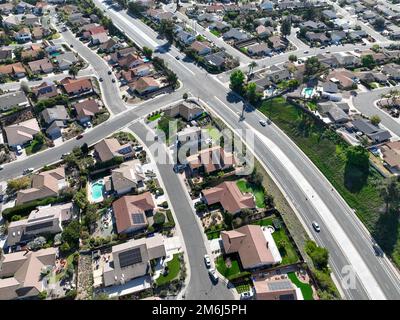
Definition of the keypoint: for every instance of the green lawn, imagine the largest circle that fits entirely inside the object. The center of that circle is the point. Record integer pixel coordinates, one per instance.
(174, 267)
(258, 192)
(216, 33)
(327, 150)
(285, 246)
(213, 234)
(305, 288)
(35, 146)
(213, 133)
(154, 117)
(224, 270)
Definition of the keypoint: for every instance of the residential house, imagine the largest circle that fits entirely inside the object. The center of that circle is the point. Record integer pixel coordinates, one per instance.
(220, 26)
(145, 85)
(392, 70)
(264, 32)
(189, 134)
(343, 78)
(11, 100)
(335, 114)
(229, 196)
(66, 60)
(200, 48)
(21, 133)
(210, 160)
(131, 260)
(277, 43)
(16, 70)
(267, 6)
(216, 60)
(6, 8)
(129, 176)
(130, 212)
(347, 60)
(77, 87)
(235, 34)
(277, 74)
(259, 49)
(45, 90)
(5, 54)
(108, 149)
(313, 25)
(142, 70)
(43, 220)
(99, 38)
(330, 14)
(109, 46)
(130, 60)
(41, 66)
(374, 133)
(21, 273)
(319, 37)
(188, 111)
(185, 38)
(23, 35)
(45, 184)
(337, 36)
(11, 21)
(255, 246)
(391, 156)
(86, 110)
(276, 289)
(31, 20)
(55, 119)
(117, 56)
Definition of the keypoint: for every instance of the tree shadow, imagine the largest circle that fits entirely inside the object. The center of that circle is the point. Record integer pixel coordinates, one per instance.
(233, 97)
(355, 178)
(386, 231)
(166, 47)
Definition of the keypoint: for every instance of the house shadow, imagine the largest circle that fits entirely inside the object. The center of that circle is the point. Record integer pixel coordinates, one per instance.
(386, 231)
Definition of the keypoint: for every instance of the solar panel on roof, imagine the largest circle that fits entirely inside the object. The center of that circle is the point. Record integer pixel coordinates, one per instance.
(39, 226)
(130, 257)
(281, 285)
(137, 218)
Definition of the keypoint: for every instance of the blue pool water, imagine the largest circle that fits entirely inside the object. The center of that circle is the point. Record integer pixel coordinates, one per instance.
(145, 60)
(308, 92)
(97, 190)
(55, 54)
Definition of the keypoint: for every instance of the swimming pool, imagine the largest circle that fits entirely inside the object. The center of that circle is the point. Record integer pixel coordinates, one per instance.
(96, 191)
(308, 92)
(146, 60)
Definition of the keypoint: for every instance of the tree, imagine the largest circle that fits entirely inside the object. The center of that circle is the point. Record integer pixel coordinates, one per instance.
(73, 71)
(252, 65)
(71, 233)
(25, 87)
(185, 96)
(312, 66)
(376, 48)
(292, 58)
(136, 7)
(368, 61)
(286, 27)
(237, 81)
(18, 184)
(379, 23)
(375, 120)
(251, 93)
(148, 53)
(390, 192)
(159, 219)
(167, 29)
(91, 215)
(85, 148)
(319, 255)
(357, 156)
(80, 199)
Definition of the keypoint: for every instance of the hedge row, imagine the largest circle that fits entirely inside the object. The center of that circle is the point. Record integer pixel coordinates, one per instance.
(171, 222)
(26, 208)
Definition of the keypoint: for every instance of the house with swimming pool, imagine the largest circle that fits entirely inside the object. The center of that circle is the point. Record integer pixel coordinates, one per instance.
(131, 212)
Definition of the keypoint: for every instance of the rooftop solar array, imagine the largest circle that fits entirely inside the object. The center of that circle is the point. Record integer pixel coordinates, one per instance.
(130, 257)
(39, 226)
(137, 218)
(281, 285)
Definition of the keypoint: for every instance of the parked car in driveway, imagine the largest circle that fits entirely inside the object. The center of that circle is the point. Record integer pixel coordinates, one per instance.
(246, 295)
(213, 275)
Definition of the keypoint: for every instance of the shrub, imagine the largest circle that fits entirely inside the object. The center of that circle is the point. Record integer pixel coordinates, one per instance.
(164, 204)
(159, 218)
(171, 222)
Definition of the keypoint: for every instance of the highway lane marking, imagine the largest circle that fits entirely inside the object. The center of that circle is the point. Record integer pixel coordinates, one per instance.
(179, 62)
(367, 279)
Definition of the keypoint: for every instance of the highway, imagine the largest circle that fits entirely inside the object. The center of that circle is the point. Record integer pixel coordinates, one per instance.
(312, 195)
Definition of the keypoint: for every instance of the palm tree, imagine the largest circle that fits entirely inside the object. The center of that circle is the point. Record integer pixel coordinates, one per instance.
(252, 65)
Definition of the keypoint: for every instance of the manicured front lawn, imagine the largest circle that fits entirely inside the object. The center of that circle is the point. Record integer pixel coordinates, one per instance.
(258, 192)
(174, 267)
(154, 117)
(216, 33)
(327, 151)
(213, 133)
(35, 146)
(224, 270)
(305, 288)
(285, 246)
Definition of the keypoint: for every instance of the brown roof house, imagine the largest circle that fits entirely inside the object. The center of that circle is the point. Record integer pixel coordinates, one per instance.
(76, 87)
(107, 149)
(186, 110)
(229, 196)
(342, 77)
(44, 184)
(129, 176)
(21, 133)
(45, 90)
(131, 260)
(276, 289)
(20, 273)
(391, 155)
(43, 220)
(210, 160)
(15, 69)
(145, 85)
(255, 246)
(130, 212)
(86, 110)
(41, 66)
